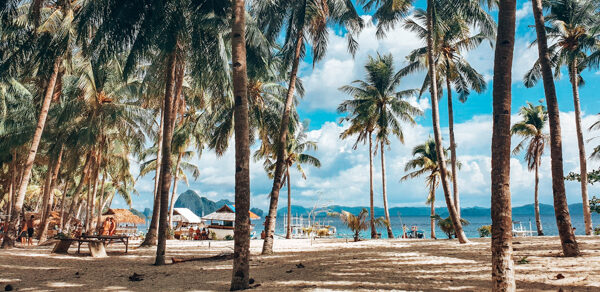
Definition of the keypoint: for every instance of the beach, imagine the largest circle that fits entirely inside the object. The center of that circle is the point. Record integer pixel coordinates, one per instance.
(304, 264)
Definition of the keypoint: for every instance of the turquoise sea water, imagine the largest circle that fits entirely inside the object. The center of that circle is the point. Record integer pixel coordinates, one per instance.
(423, 223)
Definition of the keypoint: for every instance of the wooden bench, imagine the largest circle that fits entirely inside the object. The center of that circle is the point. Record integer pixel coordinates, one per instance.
(96, 247)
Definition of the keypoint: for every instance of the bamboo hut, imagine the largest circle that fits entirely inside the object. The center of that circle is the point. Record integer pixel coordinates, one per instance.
(127, 222)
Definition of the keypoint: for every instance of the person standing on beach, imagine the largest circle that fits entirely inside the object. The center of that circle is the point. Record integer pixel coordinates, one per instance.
(29, 225)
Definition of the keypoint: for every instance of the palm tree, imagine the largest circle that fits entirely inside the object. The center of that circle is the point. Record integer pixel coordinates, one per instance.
(531, 128)
(358, 223)
(378, 101)
(57, 29)
(573, 26)
(241, 264)
(453, 37)
(425, 161)
(561, 208)
(302, 21)
(294, 155)
(503, 274)
(445, 224)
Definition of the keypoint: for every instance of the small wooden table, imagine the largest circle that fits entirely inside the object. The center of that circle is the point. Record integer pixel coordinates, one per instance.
(97, 247)
(108, 239)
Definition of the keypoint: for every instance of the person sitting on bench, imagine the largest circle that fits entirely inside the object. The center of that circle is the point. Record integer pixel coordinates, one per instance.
(112, 227)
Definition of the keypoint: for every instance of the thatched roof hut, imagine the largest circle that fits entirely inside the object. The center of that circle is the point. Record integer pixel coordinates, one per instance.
(227, 213)
(123, 216)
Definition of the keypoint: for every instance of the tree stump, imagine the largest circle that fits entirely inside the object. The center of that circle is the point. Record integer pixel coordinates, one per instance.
(97, 249)
(62, 246)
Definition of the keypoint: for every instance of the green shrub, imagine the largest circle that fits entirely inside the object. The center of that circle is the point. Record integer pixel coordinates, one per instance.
(213, 235)
(485, 230)
(597, 230)
(229, 237)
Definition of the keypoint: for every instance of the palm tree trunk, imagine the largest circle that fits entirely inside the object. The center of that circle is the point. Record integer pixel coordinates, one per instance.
(174, 189)
(13, 183)
(9, 238)
(165, 168)
(437, 131)
(503, 273)
(150, 238)
(281, 141)
(45, 197)
(102, 201)
(288, 234)
(92, 198)
(48, 208)
(538, 221)
(384, 191)
(61, 223)
(561, 209)
(452, 146)
(241, 260)
(432, 213)
(75, 201)
(587, 216)
(371, 204)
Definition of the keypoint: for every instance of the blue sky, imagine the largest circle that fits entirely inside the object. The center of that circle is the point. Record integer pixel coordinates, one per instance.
(343, 177)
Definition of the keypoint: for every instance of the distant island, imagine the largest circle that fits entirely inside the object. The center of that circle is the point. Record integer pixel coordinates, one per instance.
(202, 206)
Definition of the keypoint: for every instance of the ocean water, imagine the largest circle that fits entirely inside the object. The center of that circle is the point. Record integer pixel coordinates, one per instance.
(423, 224)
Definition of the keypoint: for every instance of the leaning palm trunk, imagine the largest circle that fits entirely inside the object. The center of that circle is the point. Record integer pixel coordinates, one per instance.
(384, 191)
(561, 209)
(63, 203)
(92, 198)
(101, 201)
(48, 208)
(452, 145)
(45, 196)
(9, 238)
(281, 142)
(587, 216)
(150, 239)
(174, 189)
(437, 132)
(432, 202)
(241, 259)
(503, 273)
(75, 204)
(538, 221)
(165, 160)
(371, 203)
(288, 233)
(13, 182)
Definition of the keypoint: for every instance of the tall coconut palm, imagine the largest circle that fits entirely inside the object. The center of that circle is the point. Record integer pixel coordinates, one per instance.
(55, 37)
(453, 37)
(241, 264)
(295, 154)
(425, 162)
(561, 208)
(358, 223)
(302, 21)
(573, 27)
(531, 128)
(171, 33)
(377, 99)
(596, 152)
(503, 273)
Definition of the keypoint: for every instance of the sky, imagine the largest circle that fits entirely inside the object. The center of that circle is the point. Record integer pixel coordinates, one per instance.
(343, 178)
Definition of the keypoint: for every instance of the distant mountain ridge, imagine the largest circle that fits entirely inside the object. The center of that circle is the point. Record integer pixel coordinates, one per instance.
(202, 206)
(526, 210)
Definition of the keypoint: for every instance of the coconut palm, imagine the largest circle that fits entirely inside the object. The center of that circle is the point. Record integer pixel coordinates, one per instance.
(503, 274)
(596, 152)
(377, 100)
(452, 39)
(295, 154)
(561, 208)
(43, 55)
(300, 22)
(445, 224)
(358, 223)
(531, 129)
(573, 27)
(425, 162)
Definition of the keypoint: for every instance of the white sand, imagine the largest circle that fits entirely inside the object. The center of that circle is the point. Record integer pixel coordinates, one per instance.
(330, 264)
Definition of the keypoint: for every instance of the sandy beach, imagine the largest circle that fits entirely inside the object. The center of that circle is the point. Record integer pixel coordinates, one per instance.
(302, 264)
